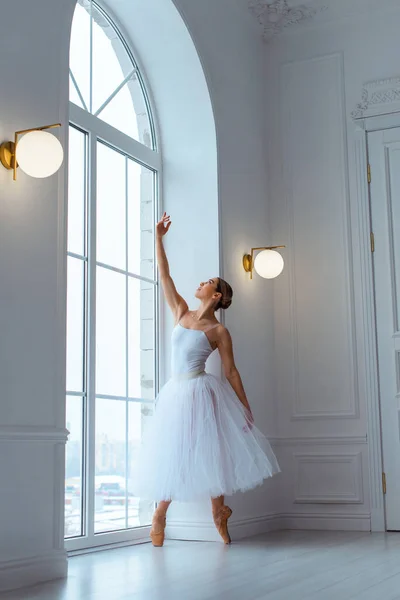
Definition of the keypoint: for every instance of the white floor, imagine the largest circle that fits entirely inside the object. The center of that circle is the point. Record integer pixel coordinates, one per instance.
(279, 566)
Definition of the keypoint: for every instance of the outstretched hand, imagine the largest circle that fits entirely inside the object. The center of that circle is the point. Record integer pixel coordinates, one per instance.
(163, 225)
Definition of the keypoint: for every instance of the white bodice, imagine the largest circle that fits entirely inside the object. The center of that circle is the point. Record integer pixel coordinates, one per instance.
(190, 350)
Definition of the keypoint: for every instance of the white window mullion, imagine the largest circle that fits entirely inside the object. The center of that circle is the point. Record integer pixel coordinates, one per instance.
(91, 60)
(115, 138)
(115, 92)
(126, 340)
(136, 143)
(78, 91)
(86, 331)
(77, 256)
(76, 394)
(127, 273)
(124, 399)
(91, 362)
(156, 290)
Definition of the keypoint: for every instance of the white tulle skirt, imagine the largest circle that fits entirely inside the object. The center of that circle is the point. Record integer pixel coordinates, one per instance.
(198, 445)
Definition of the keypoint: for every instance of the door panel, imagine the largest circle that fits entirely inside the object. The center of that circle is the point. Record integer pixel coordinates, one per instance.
(384, 156)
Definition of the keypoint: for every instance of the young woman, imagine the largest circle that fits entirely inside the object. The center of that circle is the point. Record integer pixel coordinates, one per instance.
(202, 442)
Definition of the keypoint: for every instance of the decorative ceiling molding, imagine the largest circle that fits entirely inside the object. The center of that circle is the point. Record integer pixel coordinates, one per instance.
(378, 97)
(276, 16)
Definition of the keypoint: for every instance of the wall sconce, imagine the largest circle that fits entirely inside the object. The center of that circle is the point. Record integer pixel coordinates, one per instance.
(268, 263)
(38, 153)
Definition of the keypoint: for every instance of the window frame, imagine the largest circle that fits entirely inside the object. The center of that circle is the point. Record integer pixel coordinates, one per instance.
(96, 131)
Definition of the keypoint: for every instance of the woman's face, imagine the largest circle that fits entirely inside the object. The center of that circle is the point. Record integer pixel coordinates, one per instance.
(208, 289)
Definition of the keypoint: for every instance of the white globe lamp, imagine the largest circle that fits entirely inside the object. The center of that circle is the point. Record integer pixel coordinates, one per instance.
(39, 154)
(269, 264)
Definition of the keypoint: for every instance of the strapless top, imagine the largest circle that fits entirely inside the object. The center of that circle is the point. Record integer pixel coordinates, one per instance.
(190, 350)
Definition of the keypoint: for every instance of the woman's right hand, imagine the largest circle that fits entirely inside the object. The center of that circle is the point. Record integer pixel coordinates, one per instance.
(163, 225)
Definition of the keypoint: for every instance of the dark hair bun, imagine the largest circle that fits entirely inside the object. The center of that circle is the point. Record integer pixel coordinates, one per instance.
(224, 304)
(226, 292)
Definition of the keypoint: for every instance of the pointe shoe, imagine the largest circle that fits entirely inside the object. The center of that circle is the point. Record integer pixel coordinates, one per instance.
(221, 517)
(157, 533)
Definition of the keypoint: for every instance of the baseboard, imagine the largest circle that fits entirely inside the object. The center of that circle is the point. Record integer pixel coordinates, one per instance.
(326, 521)
(206, 532)
(194, 532)
(25, 572)
(254, 526)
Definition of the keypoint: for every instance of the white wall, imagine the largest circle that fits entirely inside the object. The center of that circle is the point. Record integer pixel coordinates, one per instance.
(313, 81)
(231, 52)
(32, 363)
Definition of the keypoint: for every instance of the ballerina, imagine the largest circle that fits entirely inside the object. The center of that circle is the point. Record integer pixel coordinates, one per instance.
(202, 441)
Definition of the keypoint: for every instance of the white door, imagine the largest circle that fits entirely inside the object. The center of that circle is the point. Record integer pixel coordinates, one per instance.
(384, 158)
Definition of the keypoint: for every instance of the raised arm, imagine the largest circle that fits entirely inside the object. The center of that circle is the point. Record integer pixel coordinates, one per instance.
(225, 348)
(176, 303)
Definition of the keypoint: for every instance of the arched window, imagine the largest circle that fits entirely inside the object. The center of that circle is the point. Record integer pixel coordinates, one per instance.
(104, 77)
(112, 345)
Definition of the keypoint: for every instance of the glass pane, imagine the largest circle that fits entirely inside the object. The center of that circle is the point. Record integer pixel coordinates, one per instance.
(110, 333)
(140, 220)
(76, 191)
(79, 56)
(120, 113)
(73, 467)
(141, 339)
(111, 207)
(140, 511)
(75, 324)
(73, 94)
(110, 470)
(111, 64)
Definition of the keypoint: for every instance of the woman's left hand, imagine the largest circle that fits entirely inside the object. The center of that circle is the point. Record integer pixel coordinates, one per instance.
(249, 421)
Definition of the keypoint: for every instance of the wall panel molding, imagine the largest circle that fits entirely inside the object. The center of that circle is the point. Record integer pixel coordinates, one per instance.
(309, 104)
(33, 433)
(344, 440)
(317, 474)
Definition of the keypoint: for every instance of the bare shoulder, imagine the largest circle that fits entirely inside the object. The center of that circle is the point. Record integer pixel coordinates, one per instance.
(222, 334)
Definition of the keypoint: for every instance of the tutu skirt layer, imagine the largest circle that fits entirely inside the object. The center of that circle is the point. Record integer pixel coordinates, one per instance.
(199, 445)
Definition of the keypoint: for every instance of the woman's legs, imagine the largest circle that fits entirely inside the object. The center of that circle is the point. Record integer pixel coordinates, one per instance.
(159, 523)
(221, 514)
(217, 503)
(162, 508)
